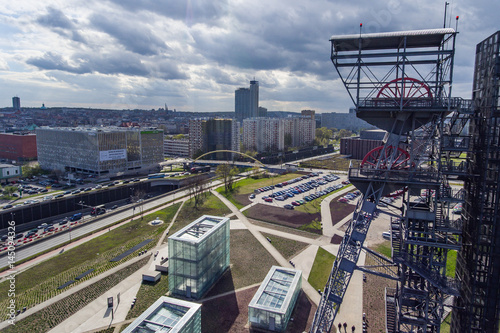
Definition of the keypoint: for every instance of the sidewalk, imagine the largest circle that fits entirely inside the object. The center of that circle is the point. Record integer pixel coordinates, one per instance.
(306, 287)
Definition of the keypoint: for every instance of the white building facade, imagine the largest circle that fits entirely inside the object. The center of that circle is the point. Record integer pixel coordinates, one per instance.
(99, 150)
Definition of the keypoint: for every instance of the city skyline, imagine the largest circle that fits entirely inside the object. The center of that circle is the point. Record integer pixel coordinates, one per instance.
(193, 56)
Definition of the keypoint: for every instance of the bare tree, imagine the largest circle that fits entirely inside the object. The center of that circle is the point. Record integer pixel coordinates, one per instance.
(196, 188)
(138, 197)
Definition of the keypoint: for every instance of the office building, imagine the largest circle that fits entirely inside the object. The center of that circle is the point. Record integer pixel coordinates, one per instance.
(168, 315)
(175, 147)
(246, 102)
(16, 103)
(19, 146)
(101, 150)
(198, 256)
(272, 305)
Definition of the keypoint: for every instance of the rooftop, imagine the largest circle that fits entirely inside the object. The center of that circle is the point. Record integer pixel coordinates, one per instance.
(390, 40)
(276, 290)
(165, 315)
(199, 229)
(85, 129)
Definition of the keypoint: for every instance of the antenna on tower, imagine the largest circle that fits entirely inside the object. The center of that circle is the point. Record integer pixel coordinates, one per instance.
(445, 7)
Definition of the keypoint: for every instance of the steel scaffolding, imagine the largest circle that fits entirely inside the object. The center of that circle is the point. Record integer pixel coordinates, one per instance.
(401, 82)
(478, 264)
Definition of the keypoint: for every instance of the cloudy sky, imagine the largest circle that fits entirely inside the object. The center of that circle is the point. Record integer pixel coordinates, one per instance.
(193, 54)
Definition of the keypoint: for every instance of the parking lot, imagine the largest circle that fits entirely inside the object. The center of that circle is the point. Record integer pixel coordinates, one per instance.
(300, 190)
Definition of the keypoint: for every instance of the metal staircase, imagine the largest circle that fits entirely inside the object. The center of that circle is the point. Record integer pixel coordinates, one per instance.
(415, 162)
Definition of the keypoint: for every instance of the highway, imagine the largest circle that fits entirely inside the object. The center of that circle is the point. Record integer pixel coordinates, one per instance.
(24, 252)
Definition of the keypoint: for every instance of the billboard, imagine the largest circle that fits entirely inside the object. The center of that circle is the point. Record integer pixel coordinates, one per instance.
(110, 155)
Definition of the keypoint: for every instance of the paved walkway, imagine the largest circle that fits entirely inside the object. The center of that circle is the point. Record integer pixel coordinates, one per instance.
(306, 287)
(96, 315)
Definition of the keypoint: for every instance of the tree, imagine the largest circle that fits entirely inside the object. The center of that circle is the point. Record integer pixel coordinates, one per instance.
(343, 133)
(227, 173)
(56, 174)
(179, 136)
(196, 189)
(8, 190)
(139, 196)
(30, 170)
(323, 136)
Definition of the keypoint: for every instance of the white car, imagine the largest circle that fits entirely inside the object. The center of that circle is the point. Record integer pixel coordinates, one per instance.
(386, 234)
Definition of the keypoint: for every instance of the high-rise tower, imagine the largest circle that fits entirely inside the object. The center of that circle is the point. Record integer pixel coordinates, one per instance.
(477, 309)
(16, 103)
(246, 101)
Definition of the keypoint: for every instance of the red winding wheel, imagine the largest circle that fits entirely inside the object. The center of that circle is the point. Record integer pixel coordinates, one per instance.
(400, 162)
(407, 87)
(375, 155)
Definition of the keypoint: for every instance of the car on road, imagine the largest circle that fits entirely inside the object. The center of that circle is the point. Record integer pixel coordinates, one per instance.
(59, 196)
(7, 206)
(114, 207)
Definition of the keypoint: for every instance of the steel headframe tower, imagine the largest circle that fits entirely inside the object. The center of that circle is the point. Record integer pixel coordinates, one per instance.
(401, 82)
(478, 265)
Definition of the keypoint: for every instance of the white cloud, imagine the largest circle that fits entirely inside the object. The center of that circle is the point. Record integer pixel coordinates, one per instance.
(193, 55)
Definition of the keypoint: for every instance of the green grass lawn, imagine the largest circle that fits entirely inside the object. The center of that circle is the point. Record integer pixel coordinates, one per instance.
(148, 294)
(321, 269)
(52, 315)
(250, 263)
(95, 253)
(287, 247)
(384, 248)
(451, 263)
(210, 206)
(445, 326)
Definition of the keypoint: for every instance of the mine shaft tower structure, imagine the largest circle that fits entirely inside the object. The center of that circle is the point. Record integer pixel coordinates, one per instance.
(401, 82)
(478, 264)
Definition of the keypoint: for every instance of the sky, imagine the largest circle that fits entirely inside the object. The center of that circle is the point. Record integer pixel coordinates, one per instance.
(192, 55)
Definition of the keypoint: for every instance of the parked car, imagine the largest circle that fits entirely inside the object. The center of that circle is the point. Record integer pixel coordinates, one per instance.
(252, 196)
(287, 206)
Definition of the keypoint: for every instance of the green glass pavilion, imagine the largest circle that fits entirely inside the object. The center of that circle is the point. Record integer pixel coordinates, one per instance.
(272, 305)
(168, 315)
(198, 256)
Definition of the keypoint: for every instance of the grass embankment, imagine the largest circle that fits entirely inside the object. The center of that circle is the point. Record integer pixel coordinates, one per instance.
(39, 283)
(250, 263)
(335, 162)
(54, 314)
(286, 246)
(148, 294)
(384, 248)
(321, 269)
(211, 205)
(451, 263)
